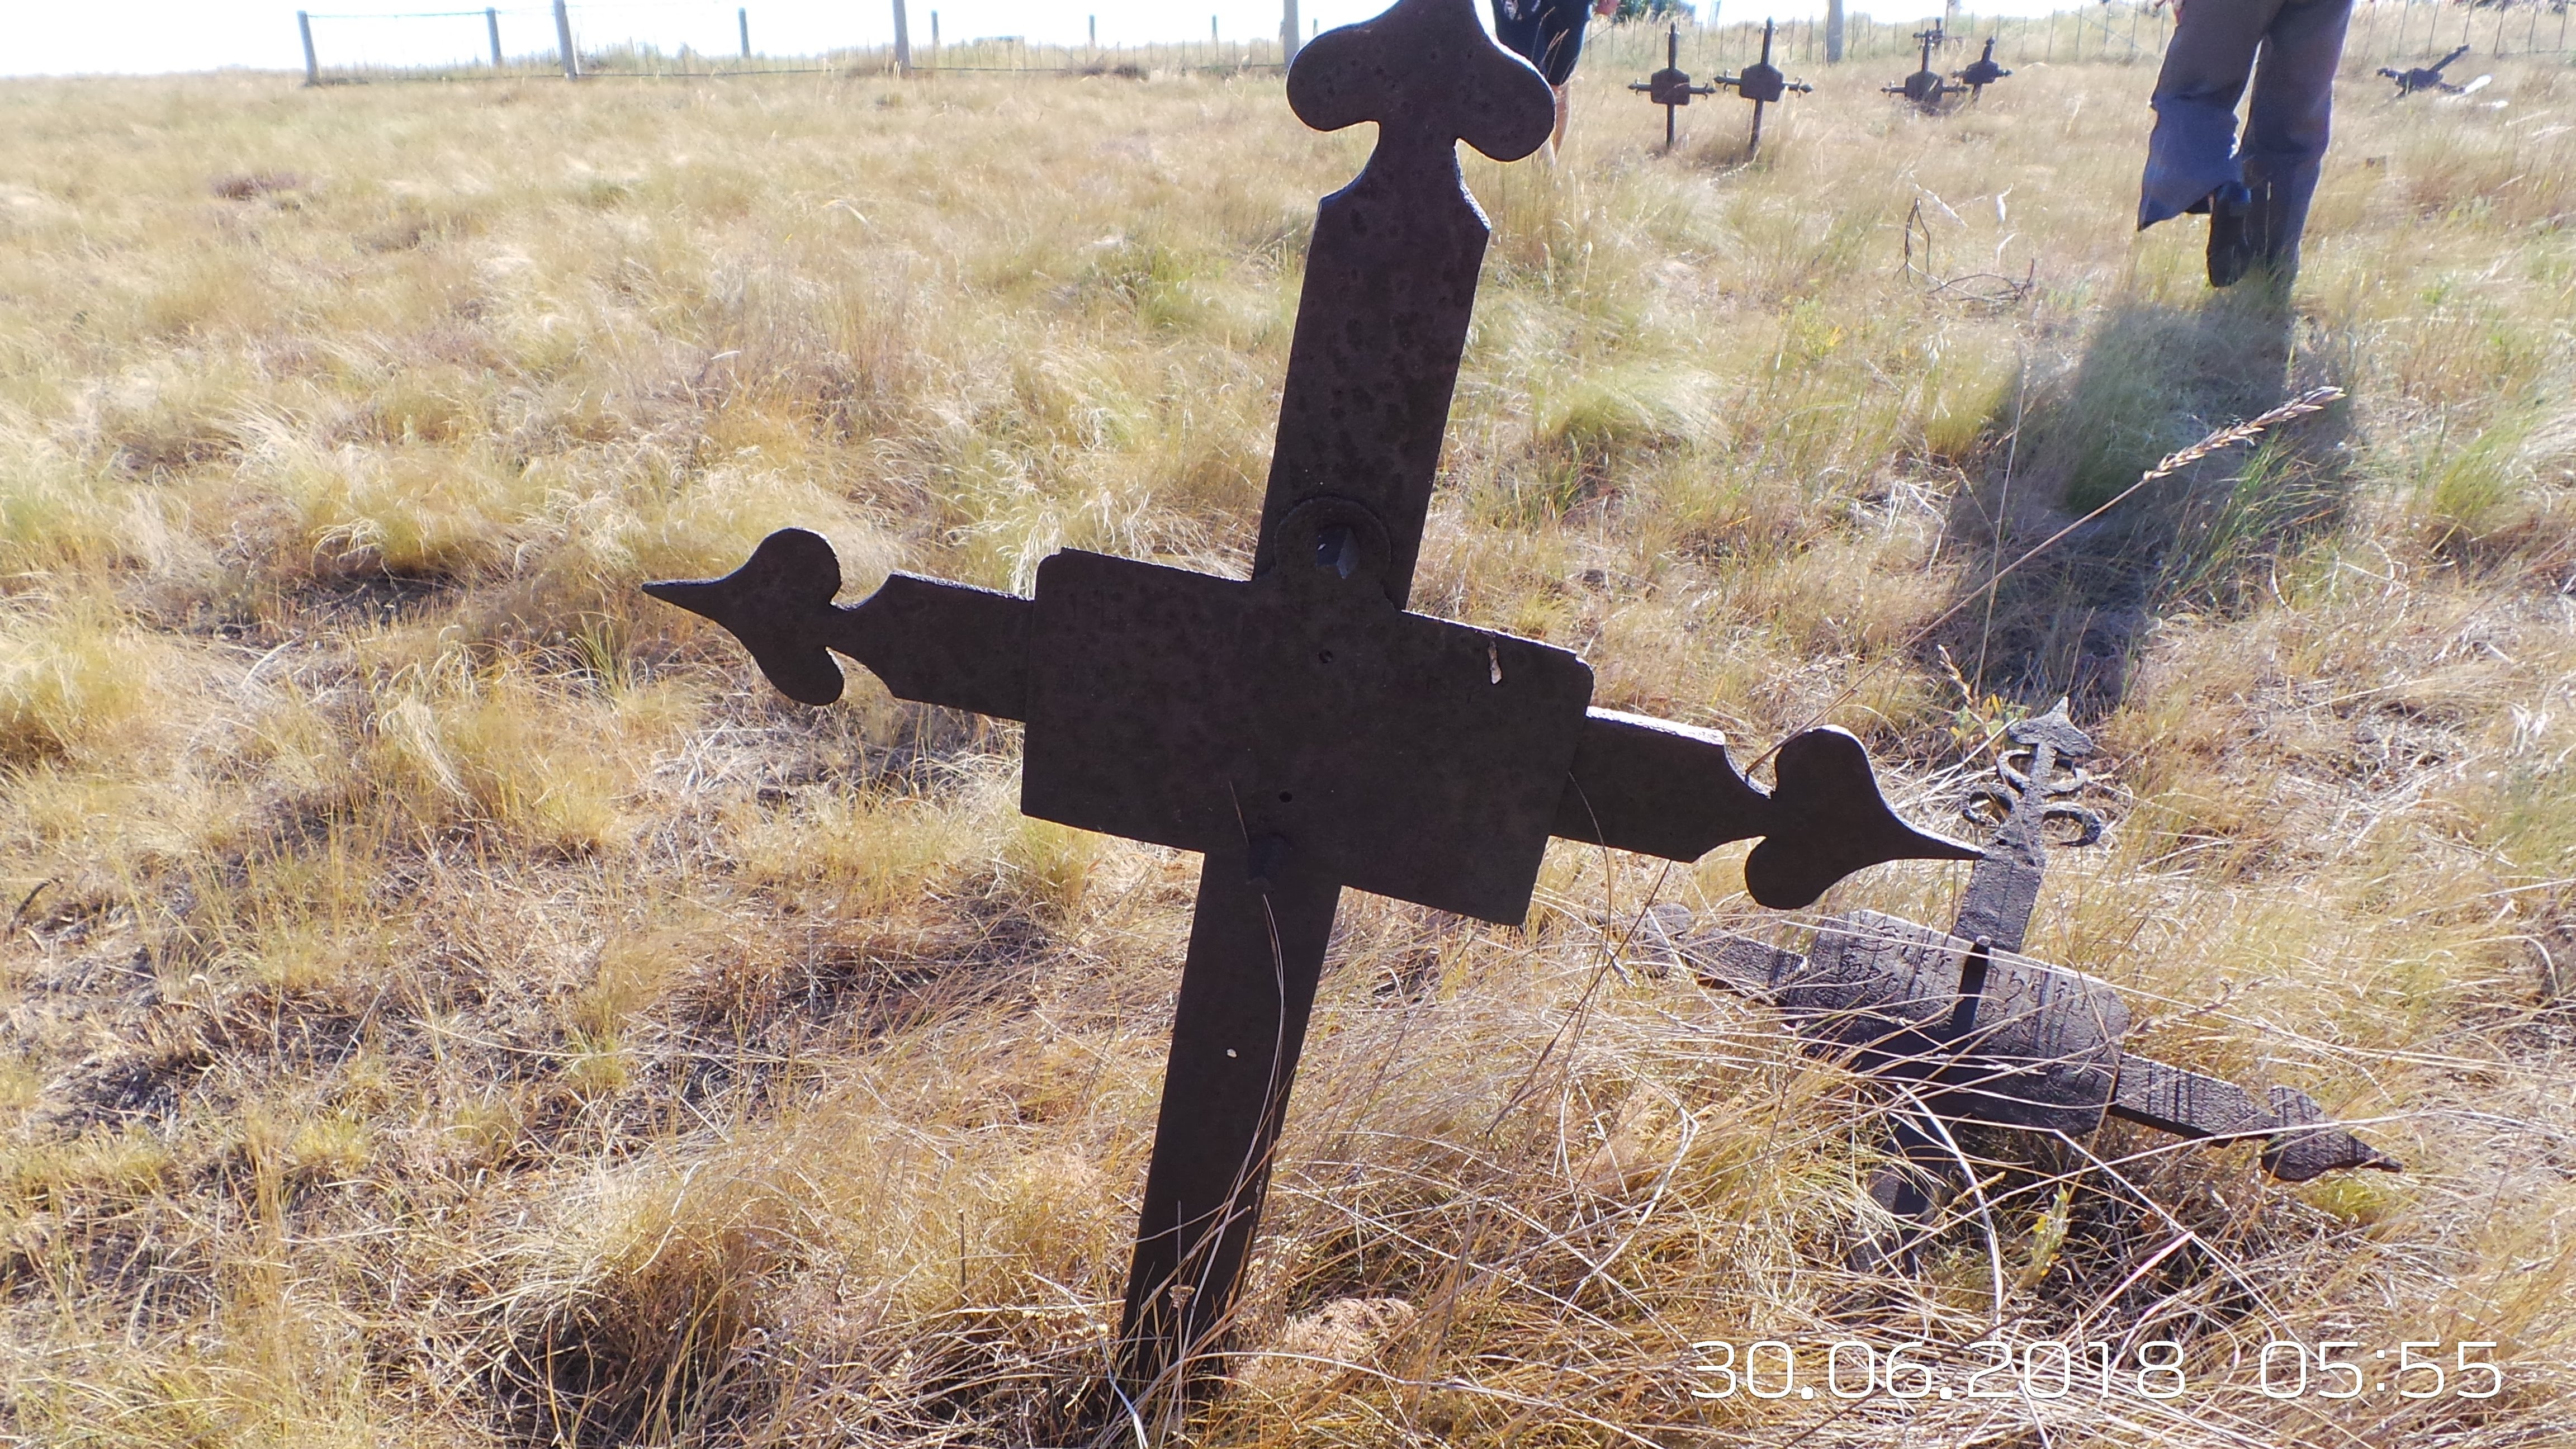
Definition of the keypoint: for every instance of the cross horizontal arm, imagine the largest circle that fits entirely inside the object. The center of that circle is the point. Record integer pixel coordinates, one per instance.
(2188, 1104)
(929, 640)
(1669, 790)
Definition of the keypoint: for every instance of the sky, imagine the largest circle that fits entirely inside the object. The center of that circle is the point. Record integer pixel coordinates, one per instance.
(70, 37)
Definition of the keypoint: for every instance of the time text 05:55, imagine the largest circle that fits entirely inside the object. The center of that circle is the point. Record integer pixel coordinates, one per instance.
(2048, 1368)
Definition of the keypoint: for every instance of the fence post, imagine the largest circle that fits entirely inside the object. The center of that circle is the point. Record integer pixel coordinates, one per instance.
(902, 40)
(492, 31)
(312, 66)
(1833, 32)
(1288, 34)
(563, 42)
(742, 23)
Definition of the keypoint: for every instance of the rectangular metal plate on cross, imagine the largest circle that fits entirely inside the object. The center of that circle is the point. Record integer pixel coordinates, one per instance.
(1302, 729)
(1406, 756)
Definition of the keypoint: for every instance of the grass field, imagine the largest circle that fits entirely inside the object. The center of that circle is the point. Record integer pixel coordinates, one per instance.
(448, 999)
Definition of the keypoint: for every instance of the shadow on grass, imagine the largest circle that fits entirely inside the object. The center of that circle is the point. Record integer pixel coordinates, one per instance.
(2155, 379)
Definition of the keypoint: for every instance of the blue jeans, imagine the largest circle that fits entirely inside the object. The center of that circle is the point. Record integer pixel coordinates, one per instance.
(2214, 52)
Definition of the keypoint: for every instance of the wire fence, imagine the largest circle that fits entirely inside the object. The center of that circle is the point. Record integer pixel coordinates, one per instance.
(2383, 32)
(693, 39)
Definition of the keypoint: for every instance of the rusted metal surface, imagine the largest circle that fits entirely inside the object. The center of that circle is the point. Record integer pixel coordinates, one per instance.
(1256, 950)
(1301, 728)
(1982, 1035)
(1669, 790)
(2005, 885)
(1761, 83)
(1975, 1032)
(929, 640)
(1391, 274)
(1404, 755)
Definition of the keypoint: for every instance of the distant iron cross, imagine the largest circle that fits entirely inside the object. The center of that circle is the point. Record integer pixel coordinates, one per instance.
(1761, 83)
(1301, 729)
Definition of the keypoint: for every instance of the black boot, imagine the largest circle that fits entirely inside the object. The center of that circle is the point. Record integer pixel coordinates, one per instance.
(2233, 219)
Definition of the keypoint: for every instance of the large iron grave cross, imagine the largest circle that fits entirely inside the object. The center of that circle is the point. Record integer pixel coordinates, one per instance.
(1300, 729)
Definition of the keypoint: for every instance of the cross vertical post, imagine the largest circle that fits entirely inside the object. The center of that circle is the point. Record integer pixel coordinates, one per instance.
(1673, 61)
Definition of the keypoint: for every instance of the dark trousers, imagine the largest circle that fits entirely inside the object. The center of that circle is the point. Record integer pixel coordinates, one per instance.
(2289, 48)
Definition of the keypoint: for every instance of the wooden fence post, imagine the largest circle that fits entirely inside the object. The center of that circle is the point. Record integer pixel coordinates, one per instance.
(742, 22)
(563, 42)
(312, 66)
(1833, 32)
(1288, 34)
(902, 40)
(492, 28)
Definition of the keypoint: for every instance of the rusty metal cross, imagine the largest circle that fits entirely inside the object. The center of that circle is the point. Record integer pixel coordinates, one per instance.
(1973, 1031)
(1301, 729)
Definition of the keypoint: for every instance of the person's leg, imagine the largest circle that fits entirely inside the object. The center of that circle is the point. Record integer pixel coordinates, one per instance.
(2192, 151)
(2287, 126)
(1560, 24)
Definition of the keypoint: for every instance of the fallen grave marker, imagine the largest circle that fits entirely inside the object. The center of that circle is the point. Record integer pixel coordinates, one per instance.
(2429, 77)
(1973, 1031)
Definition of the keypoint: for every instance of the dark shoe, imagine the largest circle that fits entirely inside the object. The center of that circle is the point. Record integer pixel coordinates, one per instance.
(2232, 222)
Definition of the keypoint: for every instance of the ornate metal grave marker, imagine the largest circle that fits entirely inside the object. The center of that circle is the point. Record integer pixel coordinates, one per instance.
(1671, 87)
(1982, 72)
(1980, 1033)
(2426, 77)
(1761, 83)
(1301, 729)
(1926, 86)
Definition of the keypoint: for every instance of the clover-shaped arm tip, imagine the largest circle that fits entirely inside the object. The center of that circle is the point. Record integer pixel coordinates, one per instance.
(1670, 790)
(928, 639)
(779, 604)
(1829, 821)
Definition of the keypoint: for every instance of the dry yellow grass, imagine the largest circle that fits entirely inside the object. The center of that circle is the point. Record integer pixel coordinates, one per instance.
(446, 1000)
